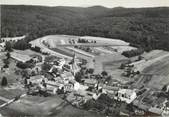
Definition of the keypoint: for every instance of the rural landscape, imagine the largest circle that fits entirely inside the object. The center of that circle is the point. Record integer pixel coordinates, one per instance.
(84, 61)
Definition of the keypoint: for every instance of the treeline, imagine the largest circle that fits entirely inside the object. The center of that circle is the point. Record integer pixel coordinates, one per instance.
(85, 41)
(21, 45)
(146, 27)
(132, 53)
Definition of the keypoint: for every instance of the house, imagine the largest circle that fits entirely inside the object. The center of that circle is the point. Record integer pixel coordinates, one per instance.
(110, 89)
(90, 82)
(57, 65)
(67, 76)
(36, 79)
(126, 95)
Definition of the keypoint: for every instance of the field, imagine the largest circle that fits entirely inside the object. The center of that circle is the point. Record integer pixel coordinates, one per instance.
(155, 69)
(40, 106)
(108, 62)
(160, 67)
(54, 41)
(70, 111)
(154, 54)
(10, 94)
(149, 61)
(63, 51)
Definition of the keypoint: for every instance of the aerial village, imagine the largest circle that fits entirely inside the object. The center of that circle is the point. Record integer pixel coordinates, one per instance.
(89, 73)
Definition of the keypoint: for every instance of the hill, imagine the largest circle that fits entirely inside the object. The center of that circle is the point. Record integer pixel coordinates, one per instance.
(144, 27)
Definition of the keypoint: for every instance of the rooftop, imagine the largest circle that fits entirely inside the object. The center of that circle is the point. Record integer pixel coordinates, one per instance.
(126, 91)
(90, 81)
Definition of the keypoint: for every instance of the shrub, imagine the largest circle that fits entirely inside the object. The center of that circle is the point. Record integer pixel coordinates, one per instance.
(104, 73)
(21, 45)
(24, 65)
(4, 81)
(36, 49)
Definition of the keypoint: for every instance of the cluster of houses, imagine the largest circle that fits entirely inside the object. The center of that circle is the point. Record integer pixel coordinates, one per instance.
(61, 78)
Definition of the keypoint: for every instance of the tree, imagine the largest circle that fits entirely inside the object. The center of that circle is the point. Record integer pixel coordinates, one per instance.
(139, 58)
(108, 79)
(8, 55)
(8, 46)
(4, 81)
(78, 77)
(104, 73)
(6, 63)
(164, 88)
(24, 65)
(90, 71)
(122, 66)
(46, 67)
(21, 45)
(132, 53)
(36, 49)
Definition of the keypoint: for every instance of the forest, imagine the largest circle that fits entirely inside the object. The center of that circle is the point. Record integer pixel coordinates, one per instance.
(146, 28)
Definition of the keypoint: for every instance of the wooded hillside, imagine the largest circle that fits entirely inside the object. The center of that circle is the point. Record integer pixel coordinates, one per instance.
(145, 27)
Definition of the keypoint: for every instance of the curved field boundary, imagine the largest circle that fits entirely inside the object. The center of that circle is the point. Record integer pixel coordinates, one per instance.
(38, 43)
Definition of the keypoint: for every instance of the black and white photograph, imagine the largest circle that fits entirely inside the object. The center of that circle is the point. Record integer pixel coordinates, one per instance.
(84, 58)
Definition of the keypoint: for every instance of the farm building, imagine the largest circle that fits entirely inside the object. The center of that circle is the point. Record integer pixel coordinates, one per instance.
(67, 76)
(90, 82)
(126, 95)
